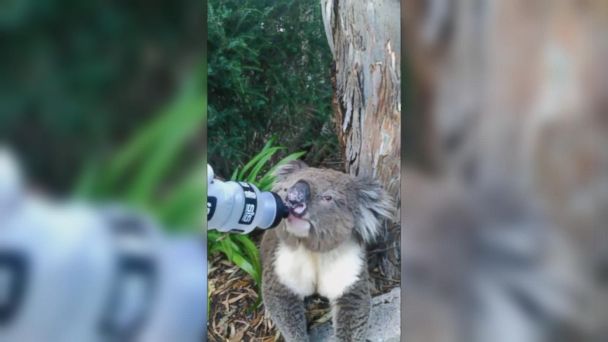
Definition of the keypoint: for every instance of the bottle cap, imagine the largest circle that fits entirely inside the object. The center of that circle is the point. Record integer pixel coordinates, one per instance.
(282, 210)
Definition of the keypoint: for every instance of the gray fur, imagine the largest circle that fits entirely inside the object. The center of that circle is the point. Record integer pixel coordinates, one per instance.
(351, 312)
(285, 308)
(360, 205)
(355, 212)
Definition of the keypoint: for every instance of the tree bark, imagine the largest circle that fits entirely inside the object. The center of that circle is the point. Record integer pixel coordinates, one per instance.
(516, 98)
(516, 94)
(364, 37)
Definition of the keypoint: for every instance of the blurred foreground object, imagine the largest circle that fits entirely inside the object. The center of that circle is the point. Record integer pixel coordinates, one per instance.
(76, 272)
(10, 180)
(506, 226)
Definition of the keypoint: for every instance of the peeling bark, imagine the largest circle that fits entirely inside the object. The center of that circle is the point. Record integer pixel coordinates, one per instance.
(364, 37)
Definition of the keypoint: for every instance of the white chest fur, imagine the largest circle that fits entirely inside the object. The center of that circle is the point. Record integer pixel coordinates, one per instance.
(328, 274)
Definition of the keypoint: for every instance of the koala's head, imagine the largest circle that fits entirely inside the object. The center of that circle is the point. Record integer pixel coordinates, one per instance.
(328, 207)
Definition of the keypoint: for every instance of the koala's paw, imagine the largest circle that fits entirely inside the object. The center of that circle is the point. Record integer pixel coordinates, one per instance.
(286, 311)
(351, 314)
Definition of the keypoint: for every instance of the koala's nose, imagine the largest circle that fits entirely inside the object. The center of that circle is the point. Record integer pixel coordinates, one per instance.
(299, 193)
(298, 196)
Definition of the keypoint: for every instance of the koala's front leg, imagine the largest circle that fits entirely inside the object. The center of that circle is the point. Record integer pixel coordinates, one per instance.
(286, 309)
(351, 313)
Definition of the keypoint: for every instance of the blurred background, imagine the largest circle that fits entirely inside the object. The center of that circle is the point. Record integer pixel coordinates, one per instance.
(82, 78)
(505, 171)
(102, 105)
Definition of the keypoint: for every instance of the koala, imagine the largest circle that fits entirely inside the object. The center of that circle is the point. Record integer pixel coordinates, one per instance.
(320, 248)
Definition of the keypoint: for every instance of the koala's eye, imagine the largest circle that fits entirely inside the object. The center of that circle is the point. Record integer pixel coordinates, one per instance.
(327, 198)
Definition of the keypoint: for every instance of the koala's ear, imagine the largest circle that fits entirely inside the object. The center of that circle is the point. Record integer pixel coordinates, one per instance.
(375, 206)
(288, 168)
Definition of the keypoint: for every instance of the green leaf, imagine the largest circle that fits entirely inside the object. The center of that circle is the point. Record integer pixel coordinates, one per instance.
(266, 182)
(183, 205)
(265, 157)
(256, 158)
(250, 250)
(86, 183)
(187, 119)
(234, 174)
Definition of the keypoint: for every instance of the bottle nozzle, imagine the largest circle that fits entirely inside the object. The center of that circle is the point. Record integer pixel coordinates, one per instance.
(282, 210)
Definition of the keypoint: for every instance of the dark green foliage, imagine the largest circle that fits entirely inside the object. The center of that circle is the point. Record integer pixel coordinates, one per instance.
(79, 77)
(268, 84)
(269, 75)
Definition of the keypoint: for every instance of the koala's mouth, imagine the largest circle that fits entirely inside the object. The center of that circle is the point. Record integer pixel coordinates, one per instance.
(298, 226)
(297, 221)
(298, 210)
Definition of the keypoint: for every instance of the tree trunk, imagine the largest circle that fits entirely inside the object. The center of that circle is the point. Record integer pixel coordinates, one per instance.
(516, 93)
(364, 37)
(517, 97)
